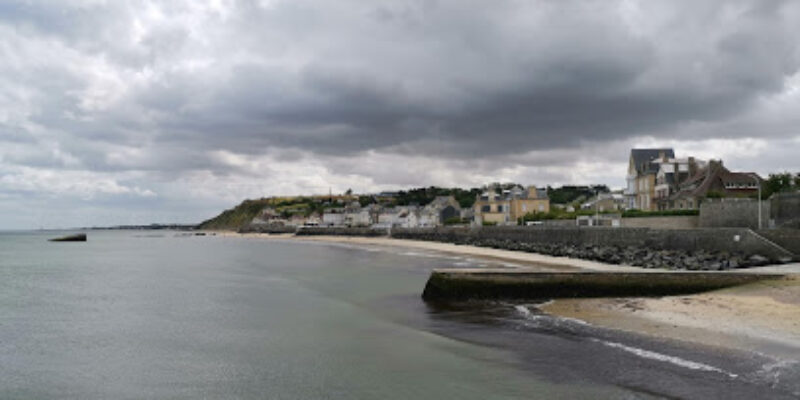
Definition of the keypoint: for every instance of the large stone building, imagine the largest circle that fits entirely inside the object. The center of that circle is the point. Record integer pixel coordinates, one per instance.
(439, 211)
(714, 181)
(672, 173)
(505, 207)
(641, 180)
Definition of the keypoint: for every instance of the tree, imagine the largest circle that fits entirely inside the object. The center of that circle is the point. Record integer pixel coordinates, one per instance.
(778, 183)
(349, 192)
(365, 200)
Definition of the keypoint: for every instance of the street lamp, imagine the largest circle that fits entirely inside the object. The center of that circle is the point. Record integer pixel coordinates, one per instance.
(596, 206)
(758, 184)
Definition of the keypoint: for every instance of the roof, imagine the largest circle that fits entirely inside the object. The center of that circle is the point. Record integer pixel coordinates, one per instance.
(541, 193)
(440, 202)
(738, 177)
(642, 159)
(700, 183)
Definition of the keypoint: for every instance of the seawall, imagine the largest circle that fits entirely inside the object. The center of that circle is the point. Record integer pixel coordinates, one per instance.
(515, 284)
(692, 249)
(367, 232)
(731, 240)
(696, 249)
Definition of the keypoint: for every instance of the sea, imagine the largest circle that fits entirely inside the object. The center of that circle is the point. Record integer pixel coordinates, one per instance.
(166, 315)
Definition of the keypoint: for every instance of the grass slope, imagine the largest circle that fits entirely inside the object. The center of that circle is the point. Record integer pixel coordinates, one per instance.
(236, 217)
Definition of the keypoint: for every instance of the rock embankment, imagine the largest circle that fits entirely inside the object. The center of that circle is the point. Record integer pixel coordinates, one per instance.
(330, 231)
(265, 228)
(646, 257)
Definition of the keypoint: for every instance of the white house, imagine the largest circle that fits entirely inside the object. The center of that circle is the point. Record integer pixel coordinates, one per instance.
(333, 217)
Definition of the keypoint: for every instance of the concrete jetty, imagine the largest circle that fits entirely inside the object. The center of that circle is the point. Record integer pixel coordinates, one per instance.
(512, 284)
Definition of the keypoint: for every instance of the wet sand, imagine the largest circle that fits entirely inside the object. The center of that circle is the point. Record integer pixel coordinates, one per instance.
(762, 317)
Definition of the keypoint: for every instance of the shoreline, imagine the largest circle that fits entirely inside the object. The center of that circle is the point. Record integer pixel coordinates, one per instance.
(762, 317)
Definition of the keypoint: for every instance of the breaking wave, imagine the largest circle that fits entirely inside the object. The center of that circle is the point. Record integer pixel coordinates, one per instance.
(652, 355)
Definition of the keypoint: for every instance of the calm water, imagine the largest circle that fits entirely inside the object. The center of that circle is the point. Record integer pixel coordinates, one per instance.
(132, 315)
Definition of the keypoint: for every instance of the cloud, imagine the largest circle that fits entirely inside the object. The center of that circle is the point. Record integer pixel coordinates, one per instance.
(308, 95)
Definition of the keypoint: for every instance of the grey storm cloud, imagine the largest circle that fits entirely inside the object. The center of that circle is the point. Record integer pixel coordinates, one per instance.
(166, 91)
(351, 76)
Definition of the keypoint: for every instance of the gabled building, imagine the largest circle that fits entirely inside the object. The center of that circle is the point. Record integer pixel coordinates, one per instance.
(506, 207)
(671, 174)
(641, 179)
(714, 180)
(604, 202)
(357, 216)
(407, 217)
(439, 210)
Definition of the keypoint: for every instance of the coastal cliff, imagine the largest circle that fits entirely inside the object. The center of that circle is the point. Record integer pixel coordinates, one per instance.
(237, 217)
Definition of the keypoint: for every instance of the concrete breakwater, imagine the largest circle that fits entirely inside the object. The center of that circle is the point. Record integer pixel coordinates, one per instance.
(517, 284)
(692, 249)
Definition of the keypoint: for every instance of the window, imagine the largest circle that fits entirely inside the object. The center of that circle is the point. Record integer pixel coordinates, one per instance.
(499, 208)
(524, 207)
(541, 207)
(486, 208)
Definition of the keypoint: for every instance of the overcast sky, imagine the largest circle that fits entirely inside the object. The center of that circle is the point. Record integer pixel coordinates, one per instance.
(127, 112)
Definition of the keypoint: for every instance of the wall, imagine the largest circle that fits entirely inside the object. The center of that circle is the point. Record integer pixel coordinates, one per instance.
(677, 222)
(785, 209)
(469, 284)
(733, 212)
(309, 231)
(265, 228)
(730, 240)
(787, 238)
(559, 222)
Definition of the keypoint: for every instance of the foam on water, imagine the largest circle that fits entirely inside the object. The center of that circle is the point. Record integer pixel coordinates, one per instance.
(652, 355)
(562, 322)
(525, 311)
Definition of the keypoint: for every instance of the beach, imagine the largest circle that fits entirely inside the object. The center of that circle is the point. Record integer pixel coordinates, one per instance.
(763, 317)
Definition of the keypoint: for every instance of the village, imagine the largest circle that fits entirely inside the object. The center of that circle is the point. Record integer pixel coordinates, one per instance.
(662, 191)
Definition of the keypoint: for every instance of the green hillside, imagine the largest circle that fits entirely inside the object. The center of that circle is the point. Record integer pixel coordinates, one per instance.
(236, 217)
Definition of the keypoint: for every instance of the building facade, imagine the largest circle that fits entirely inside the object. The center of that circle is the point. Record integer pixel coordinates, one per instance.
(641, 179)
(506, 207)
(714, 181)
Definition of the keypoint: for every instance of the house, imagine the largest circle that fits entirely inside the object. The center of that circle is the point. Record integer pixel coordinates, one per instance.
(605, 202)
(355, 215)
(333, 217)
(671, 174)
(441, 209)
(407, 216)
(398, 217)
(714, 180)
(387, 218)
(641, 179)
(507, 206)
(269, 217)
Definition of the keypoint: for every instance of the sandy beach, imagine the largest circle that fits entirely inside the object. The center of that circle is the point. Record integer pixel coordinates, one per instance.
(762, 317)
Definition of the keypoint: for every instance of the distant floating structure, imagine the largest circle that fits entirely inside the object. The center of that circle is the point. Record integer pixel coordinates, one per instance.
(78, 237)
